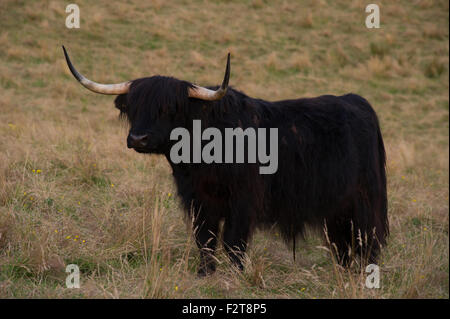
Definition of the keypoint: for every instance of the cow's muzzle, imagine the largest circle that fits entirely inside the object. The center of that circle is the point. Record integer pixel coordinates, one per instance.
(137, 142)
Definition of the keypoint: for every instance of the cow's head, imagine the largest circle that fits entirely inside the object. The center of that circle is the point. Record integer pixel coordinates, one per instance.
(152, 105)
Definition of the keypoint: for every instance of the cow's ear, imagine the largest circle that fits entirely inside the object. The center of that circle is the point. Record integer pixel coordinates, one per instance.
(121, 103)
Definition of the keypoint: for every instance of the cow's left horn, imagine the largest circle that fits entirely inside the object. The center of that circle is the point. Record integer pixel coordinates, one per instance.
(115, 89)
(211, 95)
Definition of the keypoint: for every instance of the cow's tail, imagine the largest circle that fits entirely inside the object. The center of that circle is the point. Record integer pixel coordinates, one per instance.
(377, 208)
(383, 209)
(370, 214)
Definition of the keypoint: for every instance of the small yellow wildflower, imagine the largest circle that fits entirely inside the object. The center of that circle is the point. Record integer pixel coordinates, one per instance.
(24, 193)
(303, 289)
(169, 194)
(403, 177)
(33, 170)
(414, 200)
(31, 197)
(425, 229)
(56, 230)
(68, 237)
(160, 269)
(12, 126)
(176, 288)
(112, 185)
(38, 171)
(79, 203)
(75, 239)
(84, 241)
(76, 236)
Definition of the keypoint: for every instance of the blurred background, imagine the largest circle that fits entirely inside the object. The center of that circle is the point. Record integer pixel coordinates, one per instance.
(71, 191)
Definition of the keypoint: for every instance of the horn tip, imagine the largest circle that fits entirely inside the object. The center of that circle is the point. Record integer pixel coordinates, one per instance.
(227, 74)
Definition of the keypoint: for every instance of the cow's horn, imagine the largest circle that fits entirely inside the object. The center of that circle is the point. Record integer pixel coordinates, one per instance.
(115, 89)
(211, 95)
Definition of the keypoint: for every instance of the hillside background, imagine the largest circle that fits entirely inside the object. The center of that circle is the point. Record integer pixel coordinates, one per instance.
(71, 191)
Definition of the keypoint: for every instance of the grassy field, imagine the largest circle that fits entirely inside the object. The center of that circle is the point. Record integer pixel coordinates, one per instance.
(71, 191)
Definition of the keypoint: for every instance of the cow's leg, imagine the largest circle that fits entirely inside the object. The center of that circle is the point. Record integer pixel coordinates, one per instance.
(351, 232)
(341, 236)
(205, 232)
(235, 238)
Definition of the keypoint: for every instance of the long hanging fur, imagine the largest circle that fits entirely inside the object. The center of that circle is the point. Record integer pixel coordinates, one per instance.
(331, 166)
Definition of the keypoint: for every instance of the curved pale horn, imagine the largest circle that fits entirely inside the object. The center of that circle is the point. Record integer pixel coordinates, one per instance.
(202, 93)
(114, 89)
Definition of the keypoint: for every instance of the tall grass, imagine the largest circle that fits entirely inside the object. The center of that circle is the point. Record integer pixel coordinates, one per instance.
(71, 192)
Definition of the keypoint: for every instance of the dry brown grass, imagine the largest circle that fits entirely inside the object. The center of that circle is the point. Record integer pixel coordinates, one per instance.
(115, 213)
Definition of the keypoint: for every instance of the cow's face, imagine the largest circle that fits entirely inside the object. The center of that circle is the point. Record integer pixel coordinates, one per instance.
(146, 135)
(150, 125)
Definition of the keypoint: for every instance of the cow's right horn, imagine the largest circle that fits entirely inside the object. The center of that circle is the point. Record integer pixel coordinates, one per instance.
(114, 89)
(203, 93)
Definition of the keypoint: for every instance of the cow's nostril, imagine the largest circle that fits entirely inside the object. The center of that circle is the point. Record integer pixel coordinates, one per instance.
(137, 140)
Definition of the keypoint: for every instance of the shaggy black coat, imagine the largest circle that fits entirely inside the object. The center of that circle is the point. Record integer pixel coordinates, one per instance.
(331, 167)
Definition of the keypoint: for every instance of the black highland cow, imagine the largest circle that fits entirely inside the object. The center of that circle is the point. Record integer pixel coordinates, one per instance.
(331, 164)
